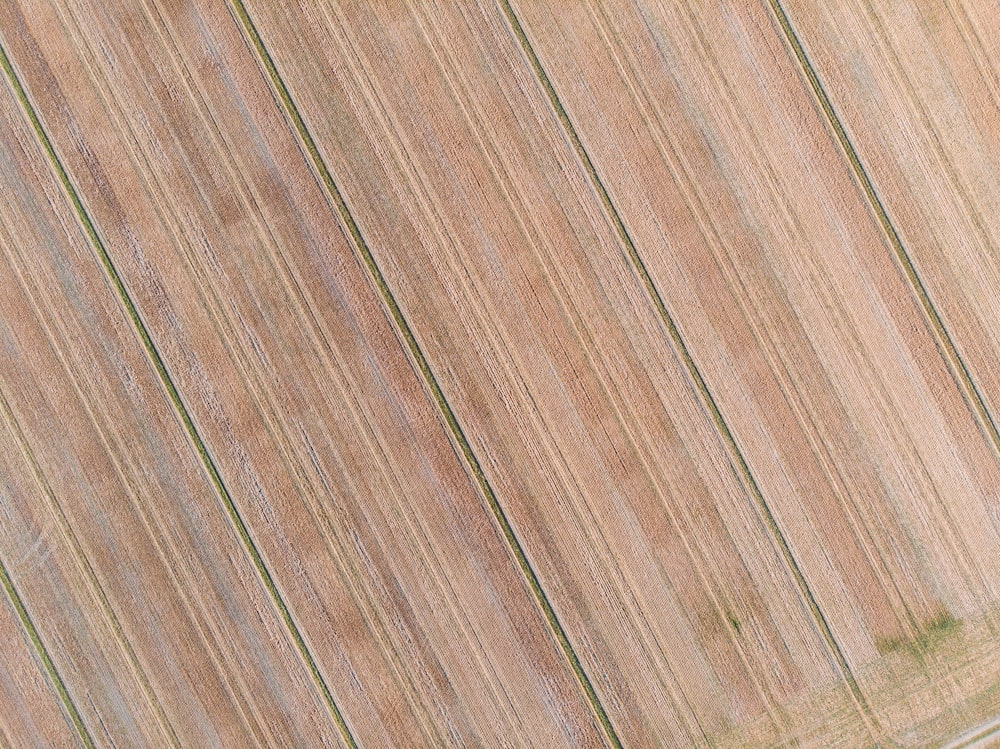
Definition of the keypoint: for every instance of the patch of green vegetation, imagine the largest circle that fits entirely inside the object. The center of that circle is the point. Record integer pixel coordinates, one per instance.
(941, 624)
(931, 633)
(733, 621)
(886, 645)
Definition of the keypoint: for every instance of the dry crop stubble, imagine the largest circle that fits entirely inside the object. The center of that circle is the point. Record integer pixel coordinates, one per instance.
(30, 707)
(745, 212)
(916, 91)
(406, 597)
(748, 219)
(141, 593)
(488, 231)
(550, 373)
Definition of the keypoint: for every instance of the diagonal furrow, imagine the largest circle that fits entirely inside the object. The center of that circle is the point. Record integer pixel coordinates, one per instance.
(405, 332)
(735, 454)
(942, 337)
(181, 410)
(43, 654)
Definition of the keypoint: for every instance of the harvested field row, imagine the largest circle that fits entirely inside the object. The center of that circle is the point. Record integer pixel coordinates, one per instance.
(389, 561)
(31, 711)
(806, 330)
(555, 363)
(118, 546)
(406, 373)
(920, 106)
(790, 304)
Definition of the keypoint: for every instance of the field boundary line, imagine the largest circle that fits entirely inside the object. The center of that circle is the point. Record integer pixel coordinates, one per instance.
(735, 454)
(959, 371)
(406, 333)
(29, 627)
(85, 567)
(159, 366)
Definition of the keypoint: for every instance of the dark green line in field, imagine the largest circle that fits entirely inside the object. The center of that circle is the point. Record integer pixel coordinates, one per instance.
(736, 455)
(175, 398)
(418, 356)
(43, 654)
(55, 507)
(960, 372)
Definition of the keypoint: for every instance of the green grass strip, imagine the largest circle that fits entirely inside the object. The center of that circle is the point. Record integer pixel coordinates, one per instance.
(43, 653)
(722, 427)
(78, 552)
(175, 398)
(960, 372)
(418, 356)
